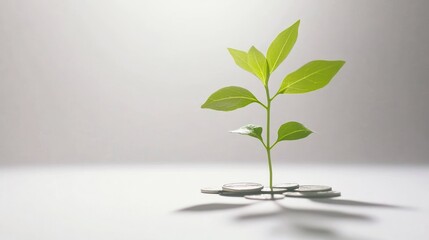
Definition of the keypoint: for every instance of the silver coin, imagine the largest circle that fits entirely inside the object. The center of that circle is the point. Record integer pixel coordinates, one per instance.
(312, 188)
(273, 190)
(242, 187)
(325, 194)
(235, 194)
(211, 190)
(265, 197)
(288, 186)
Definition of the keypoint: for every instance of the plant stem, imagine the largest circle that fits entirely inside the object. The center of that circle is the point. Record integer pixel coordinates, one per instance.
(267, 146)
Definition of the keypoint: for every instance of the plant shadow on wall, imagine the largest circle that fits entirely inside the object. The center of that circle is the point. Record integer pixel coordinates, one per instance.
(310, 77)
(310, 223)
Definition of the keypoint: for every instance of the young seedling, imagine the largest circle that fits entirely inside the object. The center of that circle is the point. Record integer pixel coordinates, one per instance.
(312, 76)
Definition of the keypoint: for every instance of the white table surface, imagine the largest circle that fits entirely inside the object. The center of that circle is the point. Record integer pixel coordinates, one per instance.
(163, 202)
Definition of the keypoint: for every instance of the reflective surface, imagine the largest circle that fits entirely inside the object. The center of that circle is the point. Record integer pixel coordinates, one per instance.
(165, 202)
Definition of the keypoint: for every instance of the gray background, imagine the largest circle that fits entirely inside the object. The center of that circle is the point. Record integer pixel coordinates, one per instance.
(123, 81)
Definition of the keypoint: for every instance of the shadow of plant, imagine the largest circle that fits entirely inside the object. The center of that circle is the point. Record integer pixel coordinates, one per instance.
(303, 213)
(321, 232)
(307, 223)
(355, 203)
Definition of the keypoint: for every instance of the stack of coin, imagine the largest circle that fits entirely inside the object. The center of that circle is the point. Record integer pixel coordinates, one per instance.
(241, 189)
(313, 191)
(274, 193)
(251, 190)
(256, 191)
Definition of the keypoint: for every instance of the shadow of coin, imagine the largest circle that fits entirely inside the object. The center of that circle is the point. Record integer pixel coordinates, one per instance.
(212, 207)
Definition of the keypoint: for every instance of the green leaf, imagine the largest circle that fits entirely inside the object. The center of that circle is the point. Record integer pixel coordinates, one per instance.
(258, 63)
(240, 58)
(310, 77)
(281, 46)
(292, 131)
(229, 98)
(250, 130)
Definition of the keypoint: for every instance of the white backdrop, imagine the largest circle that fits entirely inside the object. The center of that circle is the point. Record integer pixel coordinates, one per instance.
(123, 81)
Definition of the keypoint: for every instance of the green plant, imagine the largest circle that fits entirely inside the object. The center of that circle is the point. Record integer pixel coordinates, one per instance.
(312, 76)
